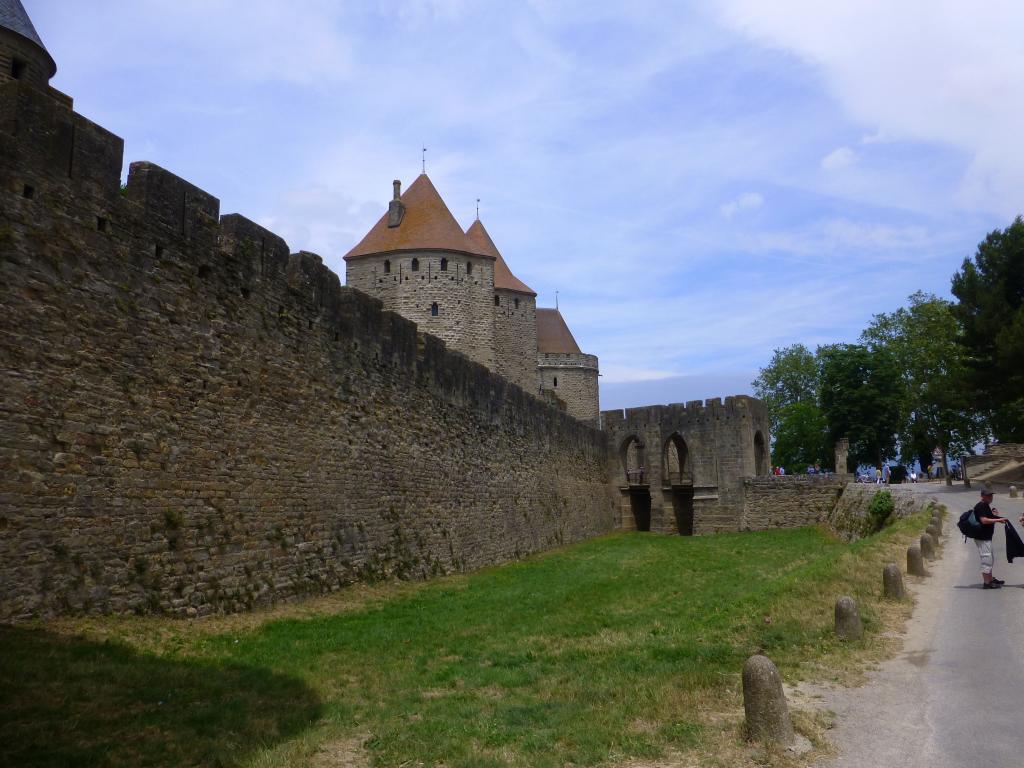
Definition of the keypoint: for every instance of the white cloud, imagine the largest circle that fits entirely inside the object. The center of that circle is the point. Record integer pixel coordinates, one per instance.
(939, 71)
(838, 159)
(748, 201)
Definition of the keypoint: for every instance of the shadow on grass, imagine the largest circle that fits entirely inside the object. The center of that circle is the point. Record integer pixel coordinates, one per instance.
(73, 702)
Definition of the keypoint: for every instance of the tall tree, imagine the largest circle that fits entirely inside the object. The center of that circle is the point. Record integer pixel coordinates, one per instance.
(935, 409)
(861, 398)
(790, 377)
(788, 386)
(990, 290)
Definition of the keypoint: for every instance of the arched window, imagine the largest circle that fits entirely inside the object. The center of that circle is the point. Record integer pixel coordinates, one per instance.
(433, 309)
(676, 467)
(497, 300)
(469, 267)
(444, 265)
(387, 266)
(517, 303)
(415, 265)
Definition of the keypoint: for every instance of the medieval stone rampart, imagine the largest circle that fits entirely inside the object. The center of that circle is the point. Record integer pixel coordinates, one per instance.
(680, 468)
(192, 419)
(573, 378)
(437, 292)
(515, 339)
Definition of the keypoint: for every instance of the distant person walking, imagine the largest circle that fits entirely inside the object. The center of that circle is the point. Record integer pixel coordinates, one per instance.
(987, 516)
(878, 475)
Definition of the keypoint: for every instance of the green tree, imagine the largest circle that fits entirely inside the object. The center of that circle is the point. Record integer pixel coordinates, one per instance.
(788, 386)
(990, 290)
(935, 409)
(790, 377)
(801, 437)
(861, 398)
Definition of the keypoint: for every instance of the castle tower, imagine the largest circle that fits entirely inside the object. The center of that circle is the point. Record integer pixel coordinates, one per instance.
(515, 316)
(563, 369)
(22, 53)
(417, 260)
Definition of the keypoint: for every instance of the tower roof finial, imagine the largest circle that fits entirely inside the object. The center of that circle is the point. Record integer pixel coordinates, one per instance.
(424, 159)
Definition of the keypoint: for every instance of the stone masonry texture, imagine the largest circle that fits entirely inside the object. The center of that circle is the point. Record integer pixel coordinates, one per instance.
(721, 444)
(573, 380)
(194, 420)
(515, 340)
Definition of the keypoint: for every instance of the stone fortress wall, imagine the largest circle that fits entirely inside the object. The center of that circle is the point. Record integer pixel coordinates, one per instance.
(573, 378)
(463, 316)
(193, 419)
(515, 340)
(681, 468)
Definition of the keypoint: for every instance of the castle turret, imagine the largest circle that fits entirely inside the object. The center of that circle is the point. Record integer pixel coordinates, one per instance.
(515, 316)
(22, 53)
(563, 369)
(417, 260)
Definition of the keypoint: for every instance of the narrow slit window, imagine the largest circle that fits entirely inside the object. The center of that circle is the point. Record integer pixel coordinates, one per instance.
(497, 300)
(415, 265)
(434, 310)
(469, 267)
(556, 381)
(516, 303)
(18, 68)
(444, 265)
(387, 266)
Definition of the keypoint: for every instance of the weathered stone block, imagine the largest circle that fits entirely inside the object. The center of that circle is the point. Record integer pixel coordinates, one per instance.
(927, 546)
(848, 623)
(915, 561)
(892, 582)
(764, 703)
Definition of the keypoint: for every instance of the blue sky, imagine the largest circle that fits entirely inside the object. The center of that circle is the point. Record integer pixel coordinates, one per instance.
(700, 182)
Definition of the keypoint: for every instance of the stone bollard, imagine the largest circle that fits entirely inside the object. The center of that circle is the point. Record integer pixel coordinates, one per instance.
(1013, 491)
(915, 562)
(927, 546)
(937, 521)
(933, 531)
(892, 582)
(764, 703)
(848, 624)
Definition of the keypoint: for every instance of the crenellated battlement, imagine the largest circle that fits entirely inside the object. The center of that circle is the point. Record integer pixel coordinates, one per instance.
(735, 406)
(200, 420)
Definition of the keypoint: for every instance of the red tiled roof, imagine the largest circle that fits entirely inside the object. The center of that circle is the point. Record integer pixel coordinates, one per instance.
(426, 225)
(503, 277)
(553, 335)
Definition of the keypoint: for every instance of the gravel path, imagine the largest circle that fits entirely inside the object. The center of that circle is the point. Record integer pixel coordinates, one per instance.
(954, 697)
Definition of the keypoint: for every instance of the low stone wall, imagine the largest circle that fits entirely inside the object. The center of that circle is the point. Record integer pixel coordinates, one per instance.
(849, 515)
(790, 501)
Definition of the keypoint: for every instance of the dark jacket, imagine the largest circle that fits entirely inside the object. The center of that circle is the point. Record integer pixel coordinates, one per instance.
(1014, 546)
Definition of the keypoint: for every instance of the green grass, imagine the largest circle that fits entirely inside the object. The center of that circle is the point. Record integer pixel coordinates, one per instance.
(619, 647)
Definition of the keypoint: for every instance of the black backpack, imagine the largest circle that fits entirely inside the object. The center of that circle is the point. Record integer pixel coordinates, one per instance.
(969, 525)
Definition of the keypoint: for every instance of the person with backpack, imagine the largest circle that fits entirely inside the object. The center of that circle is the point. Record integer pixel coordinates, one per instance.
(987, 517)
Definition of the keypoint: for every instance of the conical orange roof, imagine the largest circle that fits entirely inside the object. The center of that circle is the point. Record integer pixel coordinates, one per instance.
(503, 277)
(426, 225)
(553, 335)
